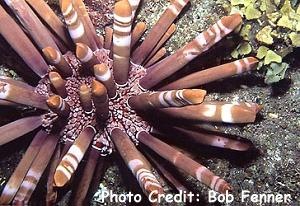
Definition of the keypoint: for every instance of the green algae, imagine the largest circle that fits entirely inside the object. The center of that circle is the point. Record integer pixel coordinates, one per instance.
(264, 35)
(276, 72)
(285, 22)
(252, 12)
(242, 50)
(262, 52)
(271, 28)
(295, 38)
(273, 17)
(271, 56)
(245, 31)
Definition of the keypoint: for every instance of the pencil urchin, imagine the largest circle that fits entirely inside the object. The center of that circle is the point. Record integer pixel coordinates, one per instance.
(94, 92)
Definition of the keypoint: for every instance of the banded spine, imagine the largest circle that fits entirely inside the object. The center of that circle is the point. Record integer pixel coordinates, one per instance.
(36, 170)
(185, 163)
(21, 95)
(35, 28)
(104, 75)
(136, 162)
(55, 58)
(134, 6)
(15, 181)
(90, 32)
(165, 99)
(100, 99)
(158, 30)
(212, 74)
(75, 25)
(137, 32)
(85, 54)
(217, 112)
(71, 160)
(121, 41)
(184, 55)
(18, 40)
(58, 83)
(58, 105)
(85, 97)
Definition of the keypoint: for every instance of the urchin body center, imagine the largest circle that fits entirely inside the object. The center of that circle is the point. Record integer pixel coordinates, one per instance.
(121, 115)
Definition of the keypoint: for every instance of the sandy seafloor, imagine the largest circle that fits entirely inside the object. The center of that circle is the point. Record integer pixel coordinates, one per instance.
(275, 134)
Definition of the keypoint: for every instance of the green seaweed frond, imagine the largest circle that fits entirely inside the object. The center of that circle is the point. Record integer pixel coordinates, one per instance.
(271, 30)
(275, 72)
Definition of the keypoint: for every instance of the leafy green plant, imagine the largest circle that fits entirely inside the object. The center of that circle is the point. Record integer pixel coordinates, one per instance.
(271, 31)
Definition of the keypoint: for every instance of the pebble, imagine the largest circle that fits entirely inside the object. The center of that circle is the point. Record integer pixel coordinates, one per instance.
(273, 115)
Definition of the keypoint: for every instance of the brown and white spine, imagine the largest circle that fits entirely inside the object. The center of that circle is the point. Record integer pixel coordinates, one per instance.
(158, 30)
(187, 53)
(52, 193)
(217, 112)
(17, 39)
(136, 162)
(85, 97)
(50, 18)
(71, 160)
(167, 174)
(160, 54)
(60, 44)
(161, 42)
(108, 38)
(58, 105)
(137, 32)
(58, 83)
(214, 73)
(101, 39)
(100, 99)
(74, 23)
(55, 58)
(36, 170)
(21, 95)
(134, 6)
(184, 163)
(18, 83)
(215, 139)
(15, 180)
(104, 75)
(94, 42)
(165, 99)
(86, 55)
(99, 173)
(80, 193)
(38, 32)
(121, 41)
(18, 128)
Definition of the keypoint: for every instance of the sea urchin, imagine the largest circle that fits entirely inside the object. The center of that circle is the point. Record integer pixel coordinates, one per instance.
(93, 100)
